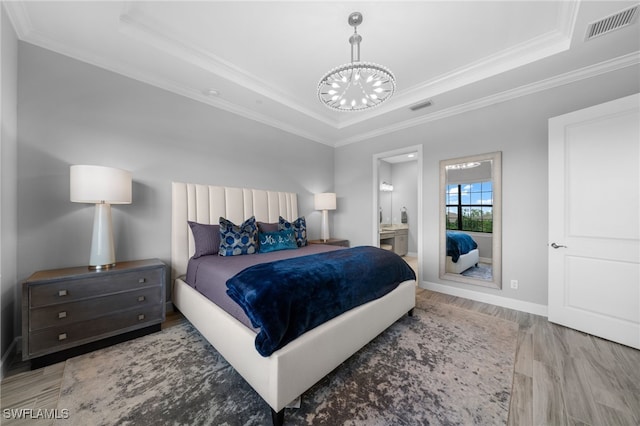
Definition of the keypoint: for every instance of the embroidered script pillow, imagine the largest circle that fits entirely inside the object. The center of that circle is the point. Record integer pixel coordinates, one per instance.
(278, 240)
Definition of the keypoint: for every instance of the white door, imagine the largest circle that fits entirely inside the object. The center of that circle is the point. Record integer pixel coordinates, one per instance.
(594, 220)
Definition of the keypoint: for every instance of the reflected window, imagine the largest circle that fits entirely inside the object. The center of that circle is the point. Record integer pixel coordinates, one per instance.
(469, 207)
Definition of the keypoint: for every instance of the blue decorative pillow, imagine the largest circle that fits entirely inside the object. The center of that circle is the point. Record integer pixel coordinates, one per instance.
(236, 240)
(299, 227)
(278, 240)
(206, 238)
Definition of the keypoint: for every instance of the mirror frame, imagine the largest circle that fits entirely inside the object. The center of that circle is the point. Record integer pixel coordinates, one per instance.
(496, 177)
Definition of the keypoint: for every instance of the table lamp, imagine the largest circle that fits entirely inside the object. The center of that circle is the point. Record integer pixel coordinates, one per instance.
(101, 186)
(325, 202)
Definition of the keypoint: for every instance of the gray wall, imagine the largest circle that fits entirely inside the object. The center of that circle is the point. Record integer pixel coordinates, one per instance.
(71, 112)
(385, 198)
(518, 128)
(405, 194)
(8, 187)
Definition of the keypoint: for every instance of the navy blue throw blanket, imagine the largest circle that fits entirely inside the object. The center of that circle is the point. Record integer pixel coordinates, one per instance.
(288, 297)
(459, 243)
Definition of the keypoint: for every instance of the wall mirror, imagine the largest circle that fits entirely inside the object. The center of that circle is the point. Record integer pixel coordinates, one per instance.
(470, 219)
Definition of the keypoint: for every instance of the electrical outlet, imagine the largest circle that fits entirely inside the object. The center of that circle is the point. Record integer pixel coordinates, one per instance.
(514, 284)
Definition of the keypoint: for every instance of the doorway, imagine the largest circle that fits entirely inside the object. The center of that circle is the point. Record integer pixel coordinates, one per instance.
(392, 221)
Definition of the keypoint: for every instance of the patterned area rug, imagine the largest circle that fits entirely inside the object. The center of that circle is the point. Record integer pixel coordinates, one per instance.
(443, 366)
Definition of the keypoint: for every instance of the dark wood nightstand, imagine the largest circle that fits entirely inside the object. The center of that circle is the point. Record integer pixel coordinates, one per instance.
(66, 312)
(331, 242)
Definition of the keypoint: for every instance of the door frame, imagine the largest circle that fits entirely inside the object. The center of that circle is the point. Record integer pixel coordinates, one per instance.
(375, 235)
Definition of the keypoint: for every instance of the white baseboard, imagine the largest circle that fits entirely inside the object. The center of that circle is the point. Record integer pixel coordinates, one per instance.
(5, 362)
(505, 302)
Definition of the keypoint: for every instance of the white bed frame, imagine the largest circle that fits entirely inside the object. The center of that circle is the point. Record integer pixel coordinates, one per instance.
(287, 373)
(465, 262)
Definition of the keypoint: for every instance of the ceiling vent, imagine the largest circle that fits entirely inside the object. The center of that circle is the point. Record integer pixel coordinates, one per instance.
(612, 23)
(421, 105)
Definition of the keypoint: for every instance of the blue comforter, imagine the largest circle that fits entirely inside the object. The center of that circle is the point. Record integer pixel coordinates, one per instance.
(459, 243)
(288, 297)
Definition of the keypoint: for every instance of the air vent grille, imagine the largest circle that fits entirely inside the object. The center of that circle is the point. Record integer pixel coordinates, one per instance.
(611, 23)
(421, 105)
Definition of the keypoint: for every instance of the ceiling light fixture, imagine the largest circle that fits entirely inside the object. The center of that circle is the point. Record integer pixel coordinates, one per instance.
(357, 85)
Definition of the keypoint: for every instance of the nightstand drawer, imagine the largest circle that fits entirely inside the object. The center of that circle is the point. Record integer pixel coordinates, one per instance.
(92, 286)
(57, 338)
(67, 313)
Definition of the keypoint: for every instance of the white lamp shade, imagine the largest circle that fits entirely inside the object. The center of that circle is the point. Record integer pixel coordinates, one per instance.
(98, 184)
(325, 201)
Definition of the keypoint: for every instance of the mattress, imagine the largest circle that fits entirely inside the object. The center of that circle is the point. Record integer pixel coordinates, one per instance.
(209, 274)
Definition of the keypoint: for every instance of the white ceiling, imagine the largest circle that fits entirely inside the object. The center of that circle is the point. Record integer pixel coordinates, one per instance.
(265, 58)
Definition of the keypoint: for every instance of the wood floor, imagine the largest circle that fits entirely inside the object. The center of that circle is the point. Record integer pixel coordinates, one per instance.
(561, 377)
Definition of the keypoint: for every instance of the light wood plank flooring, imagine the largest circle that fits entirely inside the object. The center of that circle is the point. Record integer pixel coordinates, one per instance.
(561, 376)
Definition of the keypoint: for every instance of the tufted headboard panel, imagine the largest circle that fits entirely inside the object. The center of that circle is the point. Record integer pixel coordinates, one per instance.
(206, 203)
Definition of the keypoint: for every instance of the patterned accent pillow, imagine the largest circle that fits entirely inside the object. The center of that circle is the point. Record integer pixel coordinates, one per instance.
(299, 227)
(279, 240)
(206, 238)
(236, 240)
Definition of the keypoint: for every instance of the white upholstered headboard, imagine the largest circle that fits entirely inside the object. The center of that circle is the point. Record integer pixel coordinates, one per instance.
(206, 203)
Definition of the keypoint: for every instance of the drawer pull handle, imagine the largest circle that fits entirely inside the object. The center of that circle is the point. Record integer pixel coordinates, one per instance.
(62, 336)
(140, 317)
(62, 314)
(140, 298)
(62, 293)
(142, 280)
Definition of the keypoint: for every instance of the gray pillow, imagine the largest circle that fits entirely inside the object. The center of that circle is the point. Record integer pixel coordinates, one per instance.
(206, 238)
(267, 227)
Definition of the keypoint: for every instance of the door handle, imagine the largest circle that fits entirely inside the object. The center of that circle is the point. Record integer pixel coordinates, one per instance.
(556, 246)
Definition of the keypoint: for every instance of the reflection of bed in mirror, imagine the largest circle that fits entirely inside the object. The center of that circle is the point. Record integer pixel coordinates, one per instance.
(456, 172)
(462, 252)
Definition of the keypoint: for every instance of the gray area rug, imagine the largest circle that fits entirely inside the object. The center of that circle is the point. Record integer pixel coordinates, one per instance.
(482, 271)
(443, 366)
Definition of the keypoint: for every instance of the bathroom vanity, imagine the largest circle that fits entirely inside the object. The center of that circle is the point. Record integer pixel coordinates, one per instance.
(395, 238)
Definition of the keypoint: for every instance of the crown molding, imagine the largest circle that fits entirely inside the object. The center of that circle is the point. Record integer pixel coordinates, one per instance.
(542, 46)
(174, 45)
(25, 32)
(530, 51)
(134, 25)
(590, 71)
(553, 41)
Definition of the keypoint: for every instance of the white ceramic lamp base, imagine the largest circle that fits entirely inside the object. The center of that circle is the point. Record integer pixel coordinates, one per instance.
(102, 250)
(324, 230)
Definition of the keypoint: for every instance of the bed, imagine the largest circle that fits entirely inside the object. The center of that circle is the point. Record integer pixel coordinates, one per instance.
(289, 371)
(462, 252)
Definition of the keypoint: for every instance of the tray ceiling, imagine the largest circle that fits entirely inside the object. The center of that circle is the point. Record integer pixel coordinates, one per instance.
(263, 59)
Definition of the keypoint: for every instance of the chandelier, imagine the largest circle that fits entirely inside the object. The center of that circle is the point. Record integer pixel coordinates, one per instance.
(357, 85)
